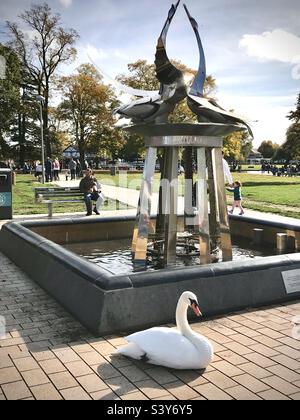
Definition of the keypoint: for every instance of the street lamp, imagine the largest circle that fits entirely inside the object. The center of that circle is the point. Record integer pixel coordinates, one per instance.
(41, 101)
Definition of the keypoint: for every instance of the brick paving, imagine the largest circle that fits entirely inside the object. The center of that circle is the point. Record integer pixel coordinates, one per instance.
(47, 354)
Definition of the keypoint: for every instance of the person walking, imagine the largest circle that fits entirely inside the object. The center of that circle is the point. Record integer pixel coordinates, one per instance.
(237, 197)
(72, 168)
(56, 169)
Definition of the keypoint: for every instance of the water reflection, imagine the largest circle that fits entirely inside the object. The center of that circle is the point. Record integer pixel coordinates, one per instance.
(115, 256)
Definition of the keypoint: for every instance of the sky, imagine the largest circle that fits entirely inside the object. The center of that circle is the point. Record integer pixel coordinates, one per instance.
(252, 47)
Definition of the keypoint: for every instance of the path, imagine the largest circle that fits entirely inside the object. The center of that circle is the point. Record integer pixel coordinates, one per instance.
(47, 355)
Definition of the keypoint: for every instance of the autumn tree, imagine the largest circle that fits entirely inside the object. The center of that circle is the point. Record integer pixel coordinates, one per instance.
(87, 106)
(290, 150)
(9, 97)
(49, 46)
(268, 148)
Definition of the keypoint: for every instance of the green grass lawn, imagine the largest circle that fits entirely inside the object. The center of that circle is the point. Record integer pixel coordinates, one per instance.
(260, 192)
(24, 202)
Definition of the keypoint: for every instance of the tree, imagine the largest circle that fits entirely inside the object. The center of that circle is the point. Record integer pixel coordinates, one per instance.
(295, 115)
(41, 54)
(87, 105)
(268, 148)
(291, 148)
(9, 97)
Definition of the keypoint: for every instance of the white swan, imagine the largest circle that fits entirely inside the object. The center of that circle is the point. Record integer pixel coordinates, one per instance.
(179, 348)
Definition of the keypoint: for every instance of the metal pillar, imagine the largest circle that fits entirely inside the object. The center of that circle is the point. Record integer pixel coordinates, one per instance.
(202, 208)
(222, 204)
(171, 206)
(141, 230)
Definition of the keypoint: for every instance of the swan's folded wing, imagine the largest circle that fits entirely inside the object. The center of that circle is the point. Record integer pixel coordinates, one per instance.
(167, 347)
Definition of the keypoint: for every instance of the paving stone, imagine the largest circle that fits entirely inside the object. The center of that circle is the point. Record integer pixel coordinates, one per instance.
(190, 377)
(255, 370)
(241, 393)
(291, 342)
(260, 360)
(238, 348)
(295, 397)
(43, 355)
(78, 368)
(81, 347)
(106, 394)
(288, 351)
(133, 373)
(46, 392)
(244, 340)
(76, 393)
(16, 390)
(284, 373)
(121, 385)
(161, 375)
(251, 383)
(219, 379)
(118, 360)
(104, 348)
(67, 355)
(5, 361)
(211, 392)
(181, 391)
(26, 363)
(63, 380)
(227, 368)
(267, 341)
(281, 385)
(106, 371)
(52, 366)
(9, 374)
(272, 395)
(232, 357)
(35, 377)
(264, 350)
(270, 333)
(150, 388)
(92, 383)
(134, 396)
(92, 358)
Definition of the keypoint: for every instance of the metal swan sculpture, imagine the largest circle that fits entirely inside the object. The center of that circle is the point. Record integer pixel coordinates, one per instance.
(207, 109)
(156, 107)
(180, 348)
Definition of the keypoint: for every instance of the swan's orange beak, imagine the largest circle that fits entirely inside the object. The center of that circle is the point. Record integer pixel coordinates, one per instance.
(196, 309)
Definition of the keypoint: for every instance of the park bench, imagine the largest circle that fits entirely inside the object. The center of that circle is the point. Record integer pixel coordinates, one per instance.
(53, 195)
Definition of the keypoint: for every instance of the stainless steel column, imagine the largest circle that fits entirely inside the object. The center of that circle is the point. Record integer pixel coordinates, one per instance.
(141, 231)
(222, 205)
(171, 207)
(202, 220)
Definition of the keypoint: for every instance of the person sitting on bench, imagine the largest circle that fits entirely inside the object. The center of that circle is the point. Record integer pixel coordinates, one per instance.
(89, 186)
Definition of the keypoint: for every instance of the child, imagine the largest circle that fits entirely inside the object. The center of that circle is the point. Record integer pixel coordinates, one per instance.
(237, 197)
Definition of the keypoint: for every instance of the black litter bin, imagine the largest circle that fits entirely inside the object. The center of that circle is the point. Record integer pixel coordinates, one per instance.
(5, 194)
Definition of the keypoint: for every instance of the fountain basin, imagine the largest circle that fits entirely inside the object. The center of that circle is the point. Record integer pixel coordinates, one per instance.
(107, 303)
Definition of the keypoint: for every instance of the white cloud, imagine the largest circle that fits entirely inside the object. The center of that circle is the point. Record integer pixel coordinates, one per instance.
(66, 3)
(95, 53)
(277, 45)
(268, 114)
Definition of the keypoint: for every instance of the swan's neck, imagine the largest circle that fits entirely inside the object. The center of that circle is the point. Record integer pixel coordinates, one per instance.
(181, 319)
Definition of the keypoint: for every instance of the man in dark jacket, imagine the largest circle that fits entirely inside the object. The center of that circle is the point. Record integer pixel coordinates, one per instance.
(89, 186)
